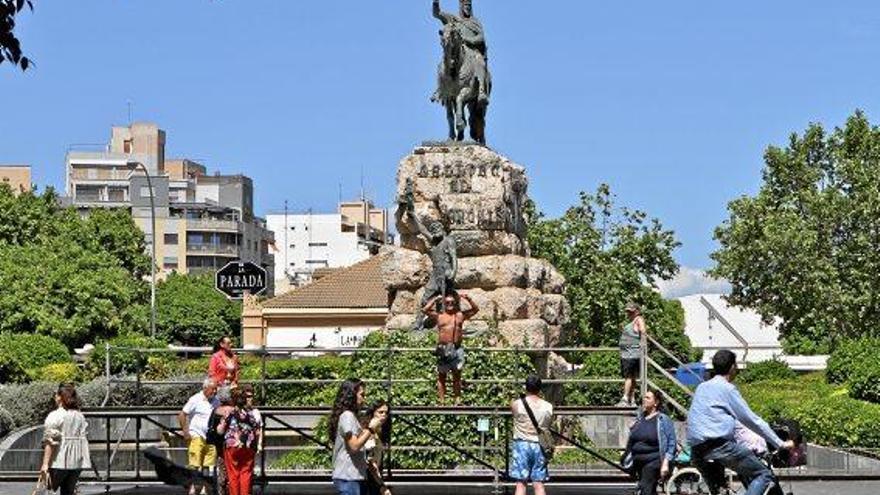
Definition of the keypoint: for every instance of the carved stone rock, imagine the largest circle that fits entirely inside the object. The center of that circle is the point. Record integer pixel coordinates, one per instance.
(404, 268)
(529, 333)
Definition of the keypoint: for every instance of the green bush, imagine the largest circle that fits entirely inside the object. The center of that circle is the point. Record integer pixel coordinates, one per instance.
(596, 365)
(11, 370)
(28, 403)
(848, 355)
(864, 380)
(828, 416)
(7, 423)
(457, 429)
(772, 369)
(301, 394)
(29, 353)
(59, 373)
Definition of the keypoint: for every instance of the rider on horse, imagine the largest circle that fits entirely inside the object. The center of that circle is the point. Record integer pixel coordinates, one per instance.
(473, 36)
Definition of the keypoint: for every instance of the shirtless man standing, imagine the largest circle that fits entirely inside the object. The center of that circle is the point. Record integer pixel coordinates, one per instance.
(450, 355)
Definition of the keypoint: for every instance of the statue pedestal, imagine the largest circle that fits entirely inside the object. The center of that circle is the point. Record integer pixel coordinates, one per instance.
(478, 196)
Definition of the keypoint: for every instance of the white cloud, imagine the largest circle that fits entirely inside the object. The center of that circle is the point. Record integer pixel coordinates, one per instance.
(692, 281)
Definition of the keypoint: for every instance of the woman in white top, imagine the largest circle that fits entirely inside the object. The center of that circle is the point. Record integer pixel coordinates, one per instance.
(527, 459)
(65, 442)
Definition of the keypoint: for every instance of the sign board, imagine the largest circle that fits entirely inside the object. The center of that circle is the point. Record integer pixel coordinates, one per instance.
(238, 277)
(483, 425)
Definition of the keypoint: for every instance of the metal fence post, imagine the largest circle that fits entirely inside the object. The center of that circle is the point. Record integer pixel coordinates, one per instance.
(643, 364)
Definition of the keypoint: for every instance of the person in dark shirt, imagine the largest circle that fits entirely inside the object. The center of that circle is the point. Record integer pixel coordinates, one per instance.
(651, 443)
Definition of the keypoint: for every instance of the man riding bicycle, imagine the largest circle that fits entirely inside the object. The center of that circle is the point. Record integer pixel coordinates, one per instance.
(715, 409)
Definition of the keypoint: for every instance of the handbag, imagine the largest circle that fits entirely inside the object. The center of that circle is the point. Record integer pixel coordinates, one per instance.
(545, 437)
(626, 462)
(42, 486)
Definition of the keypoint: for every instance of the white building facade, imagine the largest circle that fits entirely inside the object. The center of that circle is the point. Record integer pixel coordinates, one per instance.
(308, 241)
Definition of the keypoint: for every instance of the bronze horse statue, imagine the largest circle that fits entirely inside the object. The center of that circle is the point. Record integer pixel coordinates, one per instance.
(461, 72)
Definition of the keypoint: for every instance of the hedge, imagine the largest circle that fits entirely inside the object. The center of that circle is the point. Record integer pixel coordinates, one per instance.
(828, 416)
(848, 355)
(771, 369)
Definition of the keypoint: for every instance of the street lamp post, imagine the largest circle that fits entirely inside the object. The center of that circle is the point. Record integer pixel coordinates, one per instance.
(153, 251)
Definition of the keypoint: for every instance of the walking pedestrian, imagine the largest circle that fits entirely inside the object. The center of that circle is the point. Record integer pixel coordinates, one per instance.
(215, 438)
(349, 459)
(193, 419)
(65, 443)
(241, 433)
(651, 444)
(375, 447)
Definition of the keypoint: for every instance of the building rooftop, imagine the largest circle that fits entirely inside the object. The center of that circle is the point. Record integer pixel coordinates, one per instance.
(355, 287)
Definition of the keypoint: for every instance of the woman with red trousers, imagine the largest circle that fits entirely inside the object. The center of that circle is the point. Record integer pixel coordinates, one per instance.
(241, 432)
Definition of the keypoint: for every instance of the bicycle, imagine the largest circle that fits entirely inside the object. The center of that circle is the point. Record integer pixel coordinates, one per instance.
(688, 480)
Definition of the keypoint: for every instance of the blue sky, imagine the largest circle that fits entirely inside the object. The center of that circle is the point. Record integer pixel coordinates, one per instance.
(672, 103)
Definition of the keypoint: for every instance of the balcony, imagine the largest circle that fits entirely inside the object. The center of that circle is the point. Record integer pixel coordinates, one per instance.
(230, 250)
(213, 225)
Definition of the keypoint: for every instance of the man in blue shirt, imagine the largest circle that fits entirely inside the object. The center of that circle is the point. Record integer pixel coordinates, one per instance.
(715, 409)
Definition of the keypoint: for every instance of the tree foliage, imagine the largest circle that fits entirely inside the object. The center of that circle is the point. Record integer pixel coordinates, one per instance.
(610, 255)
(10, 47)
(192, 312)
(804, 248)
(71, 278)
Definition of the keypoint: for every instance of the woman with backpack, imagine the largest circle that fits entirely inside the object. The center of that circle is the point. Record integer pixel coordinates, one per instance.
(241, 438)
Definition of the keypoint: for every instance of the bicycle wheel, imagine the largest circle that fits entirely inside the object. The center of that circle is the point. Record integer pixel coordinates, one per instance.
(686, 481)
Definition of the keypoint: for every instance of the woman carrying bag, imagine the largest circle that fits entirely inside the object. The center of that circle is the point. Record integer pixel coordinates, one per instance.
(65, 444)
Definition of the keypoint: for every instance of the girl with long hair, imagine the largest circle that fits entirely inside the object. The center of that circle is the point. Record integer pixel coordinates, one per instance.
(349, 437)
(375, 447)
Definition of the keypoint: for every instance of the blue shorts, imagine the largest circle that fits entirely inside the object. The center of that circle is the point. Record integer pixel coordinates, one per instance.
(527, 462)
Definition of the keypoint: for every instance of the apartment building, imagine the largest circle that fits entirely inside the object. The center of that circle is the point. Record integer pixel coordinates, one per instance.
(202, 221)
(18, 177)
(310, 241)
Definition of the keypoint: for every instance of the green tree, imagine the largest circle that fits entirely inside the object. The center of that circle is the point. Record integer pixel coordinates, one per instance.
(804, 248)
(10, 47)
(72, 278)
(610, 255)
(192, 312)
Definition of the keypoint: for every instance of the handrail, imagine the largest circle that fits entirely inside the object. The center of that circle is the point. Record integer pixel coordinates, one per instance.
(288, 350)
(670, 377)
(714, 313)
(672, 356)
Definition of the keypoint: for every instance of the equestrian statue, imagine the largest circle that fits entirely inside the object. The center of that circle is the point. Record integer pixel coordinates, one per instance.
(463, 79)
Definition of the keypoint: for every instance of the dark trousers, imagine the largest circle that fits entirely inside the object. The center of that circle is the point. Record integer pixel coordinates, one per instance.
(649, 475)
(728, 454)
(64, 480)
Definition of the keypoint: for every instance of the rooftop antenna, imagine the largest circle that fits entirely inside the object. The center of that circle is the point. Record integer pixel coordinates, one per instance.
(128, 103)
(286, 244)
(362, 184)
(340, 192)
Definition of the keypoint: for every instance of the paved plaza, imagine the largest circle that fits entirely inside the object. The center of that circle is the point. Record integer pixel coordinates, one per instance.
(799, 488)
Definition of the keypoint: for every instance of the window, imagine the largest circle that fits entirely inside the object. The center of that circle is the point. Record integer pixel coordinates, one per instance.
(169, 262)
(317, 244)
(145, 191)
(171, 239)
(317, 262)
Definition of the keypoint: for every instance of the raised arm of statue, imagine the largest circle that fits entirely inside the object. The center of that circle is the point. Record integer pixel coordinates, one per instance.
(444, 17)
